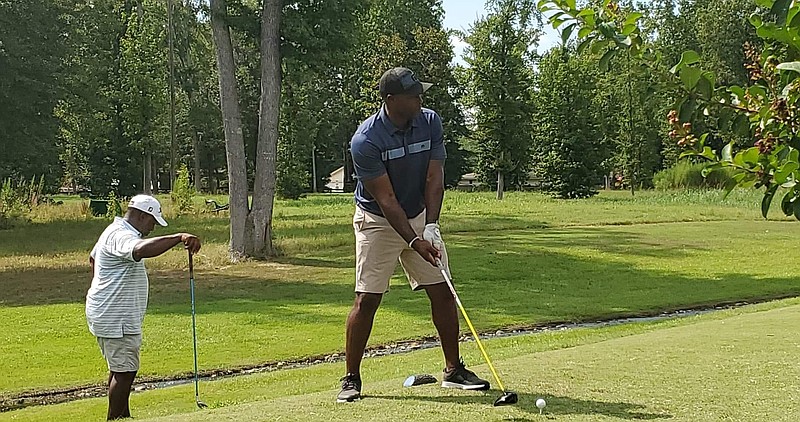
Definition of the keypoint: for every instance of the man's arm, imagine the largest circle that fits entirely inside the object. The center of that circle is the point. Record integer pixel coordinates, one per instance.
(156, 246)
(434, 191)
(381, 189)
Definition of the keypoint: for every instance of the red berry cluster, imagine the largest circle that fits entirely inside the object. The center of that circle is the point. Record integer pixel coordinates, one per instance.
(681, 132)
(765, 143)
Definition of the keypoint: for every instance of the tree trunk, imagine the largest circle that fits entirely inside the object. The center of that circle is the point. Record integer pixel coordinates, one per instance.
(232, 124)
(212, 176)
(148, 172)
(633, 165)
(260, 244)
(154, 181)
(172, 121)
(196, 137)
(500, 185)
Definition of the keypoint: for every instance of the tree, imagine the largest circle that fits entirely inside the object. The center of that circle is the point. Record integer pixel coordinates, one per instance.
(500, 86)
(198, 110)
(765, 111)
(143, 82)
(113, 115)
(241, 243)
(33, 47)
(613, 33)
(251, 226)
(318, 52)
(568, 145)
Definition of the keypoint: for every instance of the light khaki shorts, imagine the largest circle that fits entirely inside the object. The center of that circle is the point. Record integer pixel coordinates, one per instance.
(379, 247)
(121, 354)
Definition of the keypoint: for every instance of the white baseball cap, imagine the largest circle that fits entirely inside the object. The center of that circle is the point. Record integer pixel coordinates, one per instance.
(150, 205)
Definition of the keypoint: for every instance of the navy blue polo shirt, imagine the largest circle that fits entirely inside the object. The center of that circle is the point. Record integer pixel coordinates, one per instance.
(378, 148)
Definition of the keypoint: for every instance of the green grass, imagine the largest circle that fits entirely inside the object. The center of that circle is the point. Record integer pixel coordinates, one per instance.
(737, 365)
(530, 259)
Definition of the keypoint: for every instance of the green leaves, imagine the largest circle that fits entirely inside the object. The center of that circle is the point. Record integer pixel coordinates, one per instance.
(687, 58)
(786, 170)
(633, 18)
(767, 200)
(749, 156)
(690, 76)
(781, 9)
(567, 32)
(604, 61)
(787, 203)
(791, 66)
(727, 153)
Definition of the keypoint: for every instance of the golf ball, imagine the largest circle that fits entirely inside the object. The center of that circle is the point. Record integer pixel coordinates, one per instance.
(540, 403)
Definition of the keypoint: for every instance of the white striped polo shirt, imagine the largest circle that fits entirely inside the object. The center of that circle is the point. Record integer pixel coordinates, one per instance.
(117, 300)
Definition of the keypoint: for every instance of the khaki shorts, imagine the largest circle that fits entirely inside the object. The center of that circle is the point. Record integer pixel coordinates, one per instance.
(379, 247)
(121, 354)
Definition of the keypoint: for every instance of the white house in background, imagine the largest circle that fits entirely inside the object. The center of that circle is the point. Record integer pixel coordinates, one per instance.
(471, 182)
(336, 183)
(468, 181)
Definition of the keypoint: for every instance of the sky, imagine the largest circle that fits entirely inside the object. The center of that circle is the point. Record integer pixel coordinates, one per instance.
(461, 14)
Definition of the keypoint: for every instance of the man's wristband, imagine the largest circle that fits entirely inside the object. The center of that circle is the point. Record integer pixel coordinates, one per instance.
(411, 243)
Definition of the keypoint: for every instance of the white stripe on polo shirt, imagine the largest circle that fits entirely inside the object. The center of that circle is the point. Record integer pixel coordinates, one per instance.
(117, 300)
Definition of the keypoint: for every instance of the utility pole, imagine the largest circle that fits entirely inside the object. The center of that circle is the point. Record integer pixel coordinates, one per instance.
(172, 126)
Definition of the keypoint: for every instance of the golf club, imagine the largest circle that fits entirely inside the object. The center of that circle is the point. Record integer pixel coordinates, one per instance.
(508, 397)
(200, 404)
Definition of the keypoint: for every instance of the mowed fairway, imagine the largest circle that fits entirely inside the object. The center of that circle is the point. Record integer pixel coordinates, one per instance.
(524, 261)
(730, 366)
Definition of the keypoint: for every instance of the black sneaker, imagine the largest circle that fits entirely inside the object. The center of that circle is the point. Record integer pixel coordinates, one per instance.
(463, 378)
(351, 389)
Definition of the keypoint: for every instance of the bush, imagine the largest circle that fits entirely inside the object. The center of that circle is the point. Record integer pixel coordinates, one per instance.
(687, 175)
(114, 206)
(182, 194)
(17, 200)
(292, 181)
(566, 178)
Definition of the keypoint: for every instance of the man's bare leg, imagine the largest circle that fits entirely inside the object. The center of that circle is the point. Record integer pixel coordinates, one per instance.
(359, 327)
(119, 391)
(445, 318)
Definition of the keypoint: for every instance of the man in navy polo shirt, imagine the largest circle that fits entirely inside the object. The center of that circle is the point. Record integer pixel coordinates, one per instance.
(398, 154)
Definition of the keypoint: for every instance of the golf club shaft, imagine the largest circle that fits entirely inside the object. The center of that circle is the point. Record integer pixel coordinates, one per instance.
(469, 323)
(194, 328)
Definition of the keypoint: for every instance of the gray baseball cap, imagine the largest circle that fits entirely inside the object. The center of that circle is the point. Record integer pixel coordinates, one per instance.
(401, 80)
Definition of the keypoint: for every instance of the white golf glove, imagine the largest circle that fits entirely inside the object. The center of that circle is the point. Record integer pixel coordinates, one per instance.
(432, 235)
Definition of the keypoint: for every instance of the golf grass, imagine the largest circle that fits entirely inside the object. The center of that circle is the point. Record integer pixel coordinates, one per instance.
(526, 260)
(737, 365)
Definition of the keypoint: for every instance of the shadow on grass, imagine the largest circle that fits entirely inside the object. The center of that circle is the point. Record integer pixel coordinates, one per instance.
(555, 405)
(606, 239)
(520, 288)
(503, 279)
(483, 222)
(60, 237)
(349, 262)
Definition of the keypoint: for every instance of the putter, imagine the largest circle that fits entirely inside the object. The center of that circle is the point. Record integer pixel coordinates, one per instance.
(508, 397)
(199, 403)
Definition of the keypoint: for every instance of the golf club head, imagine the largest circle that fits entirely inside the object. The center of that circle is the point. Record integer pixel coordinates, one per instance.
(508, 398)
(419, 379)
(200, 404)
